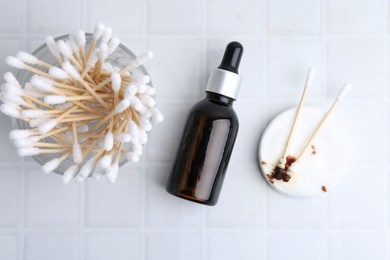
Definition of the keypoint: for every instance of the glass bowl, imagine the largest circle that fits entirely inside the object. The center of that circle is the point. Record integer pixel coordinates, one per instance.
(121, 57)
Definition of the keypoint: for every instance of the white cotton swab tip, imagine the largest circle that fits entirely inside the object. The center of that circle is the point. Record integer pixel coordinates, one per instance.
(103, 51)
(51, 165)
(112, 172)
(58, 73)
(143, 136)
(54, 99)
(310, 76)
(157, 115)
(15, 62)
(71, 70)
(145, 124)
(77, 153)
(12, 98)
(11, 89)
(112, 45)
(35, 122)
(24, 142)
(107, 33)
(27, 57)
(20, 133)
(343, 92)
(132, 157)
(70, 173)
(123, 137)
(137, 149)
(10, 110)
(144, 79)
(122, 106)
(28, 151)
(105, 161)
(9, 77)
(87, 168)
(116, 81)
(80, 38)
(150, 90)
(98, 31)
(52, 46)
(64, 48)
(130, 91)
(47, 126)
(34, 113)
(147, 100)
(108, 141)
(41, 83)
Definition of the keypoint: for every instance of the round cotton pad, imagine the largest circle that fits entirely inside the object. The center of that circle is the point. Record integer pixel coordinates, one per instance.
(320, 168)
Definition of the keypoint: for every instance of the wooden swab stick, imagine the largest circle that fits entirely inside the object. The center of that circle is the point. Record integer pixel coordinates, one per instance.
(339, 97)
(309, 80)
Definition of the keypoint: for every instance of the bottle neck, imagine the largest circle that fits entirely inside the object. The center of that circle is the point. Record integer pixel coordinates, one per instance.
(218, 98)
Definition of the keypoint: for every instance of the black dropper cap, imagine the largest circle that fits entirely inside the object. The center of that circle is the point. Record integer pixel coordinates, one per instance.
(232, 57)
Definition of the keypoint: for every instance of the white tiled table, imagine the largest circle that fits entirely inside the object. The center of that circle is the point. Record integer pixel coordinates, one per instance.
(135, 218)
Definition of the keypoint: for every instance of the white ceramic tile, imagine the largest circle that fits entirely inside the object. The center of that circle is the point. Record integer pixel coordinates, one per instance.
(354, 17)
(49, 203)
(165, 137)
(234, 17)
(165, 210)
(358, 245)
(8, 152)
(357, 62)
(175, 68)
(173, 246)
(354, 205)
(8, 46)
(43, 246)
(114, 205)
(235, 245)
(8, 247)
(9, 189)
(363, 123)
(243, 191)
(251, 67)
(124, 20)
(123, 246)
(251, 120)
(54, 17)
(285, 212)
(295, 245)
(288, 63)
(292, 17)
(175, 16)
(11, 16)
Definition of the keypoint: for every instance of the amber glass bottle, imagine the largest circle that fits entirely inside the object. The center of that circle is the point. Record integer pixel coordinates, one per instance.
(209, 135)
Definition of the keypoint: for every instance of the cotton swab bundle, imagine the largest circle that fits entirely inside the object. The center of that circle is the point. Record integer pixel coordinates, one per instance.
(83, 108)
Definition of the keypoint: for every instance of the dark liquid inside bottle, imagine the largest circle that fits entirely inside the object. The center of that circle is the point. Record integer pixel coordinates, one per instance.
(204, 151)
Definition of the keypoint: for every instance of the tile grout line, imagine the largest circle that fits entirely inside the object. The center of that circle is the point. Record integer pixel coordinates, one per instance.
(324, 50)
(142, 188)
(22, 203)
(204, 236)
(385, 123)
(264, 92)
(21, 212)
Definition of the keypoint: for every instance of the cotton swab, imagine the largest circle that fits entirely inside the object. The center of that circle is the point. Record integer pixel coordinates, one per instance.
(60, 102)
(52, 46)
(280, 170)
(343, 92)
